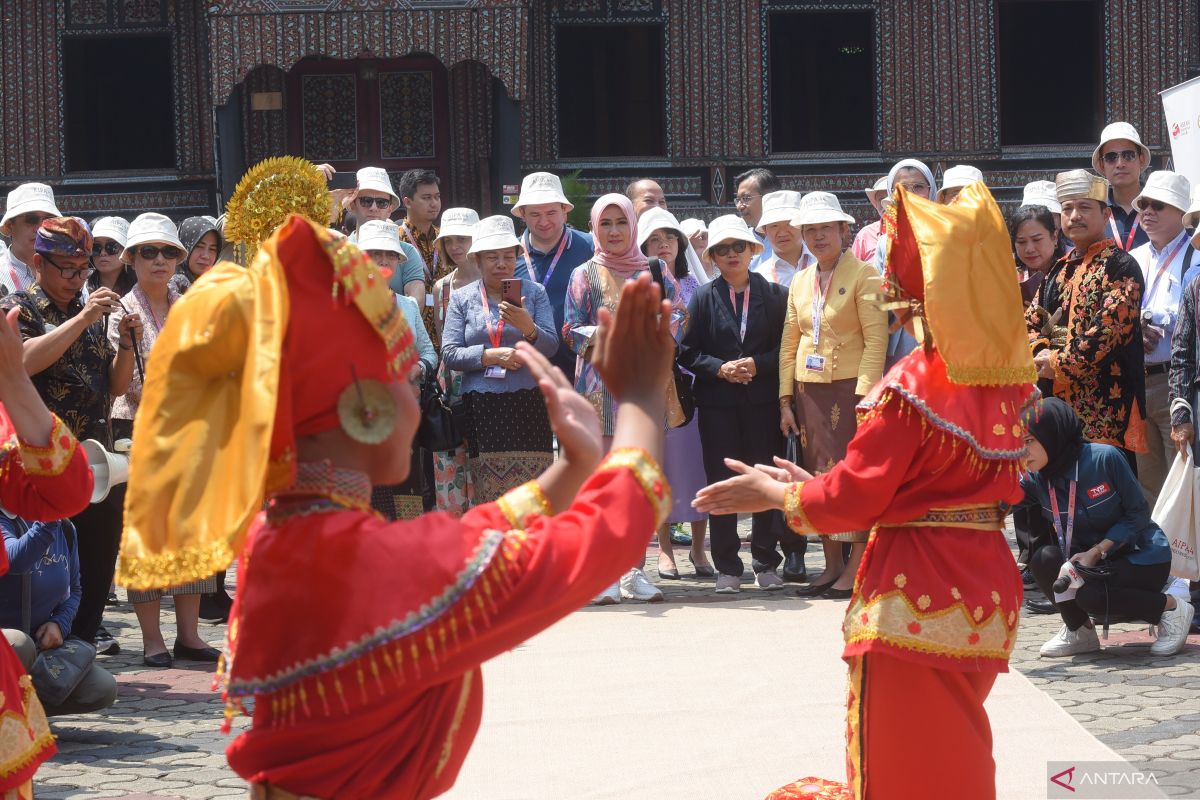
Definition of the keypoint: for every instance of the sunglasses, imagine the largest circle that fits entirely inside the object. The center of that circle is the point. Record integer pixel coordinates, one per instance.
(70, 273)
(378, 202)
(1154, 205)
(150, 252)
(34, 219)
(723, 249)
(108, 248)
(1123, 155)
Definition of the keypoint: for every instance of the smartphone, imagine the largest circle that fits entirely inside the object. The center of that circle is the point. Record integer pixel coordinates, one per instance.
(510, 291)
(343, 180)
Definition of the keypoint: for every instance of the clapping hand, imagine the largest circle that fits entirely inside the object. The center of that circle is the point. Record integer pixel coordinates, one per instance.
(751, 490)
(572, 417)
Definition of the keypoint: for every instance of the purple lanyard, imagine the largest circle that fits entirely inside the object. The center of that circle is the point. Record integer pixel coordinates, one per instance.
(562, 248)
(745, 309)
(1064, 536)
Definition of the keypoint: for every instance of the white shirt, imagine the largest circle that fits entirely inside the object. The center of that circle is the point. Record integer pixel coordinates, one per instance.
(776, 270)
(15, 275)
(1161, 298)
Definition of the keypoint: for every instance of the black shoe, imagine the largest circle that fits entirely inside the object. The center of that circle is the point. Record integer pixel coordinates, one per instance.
(111, 600)
(1040, 607)
(207, 654)
(106, 645)
(158, 660)
(794, 570)
(213, 610)
(814, 589)
(1027, 577)
(838, 594)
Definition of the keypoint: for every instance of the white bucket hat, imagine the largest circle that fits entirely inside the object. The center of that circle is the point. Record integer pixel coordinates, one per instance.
(375, 179)
(379, 234)
(1169, 187)
(538, 188)
(691, 226)
(877, 191)
(494, 233)
(957, 177)
(778, 206)
(25, 198)
(731, 228)
(1117, 130)
(115, 228)
(1192, 218)
(820, 207)
(458, 222)
(657, 219)
(1041, 193)
(151, 228)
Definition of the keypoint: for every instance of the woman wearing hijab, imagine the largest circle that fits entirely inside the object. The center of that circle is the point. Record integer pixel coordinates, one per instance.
(597, 284)
(202, 240)
(1089, 494)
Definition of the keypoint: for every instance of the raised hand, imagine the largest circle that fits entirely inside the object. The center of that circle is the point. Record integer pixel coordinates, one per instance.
(749, 491)
(572, 417)
(634, 351)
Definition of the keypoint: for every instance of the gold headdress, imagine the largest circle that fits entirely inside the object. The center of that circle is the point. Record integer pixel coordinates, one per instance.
(267, 194)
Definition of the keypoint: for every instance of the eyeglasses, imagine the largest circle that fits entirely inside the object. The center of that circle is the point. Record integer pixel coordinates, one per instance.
(723, 249)
(1123, 155)
(150, 252)
(34, 219)
(378, 202)
(108, 248)
(745, 199)
(70, 273)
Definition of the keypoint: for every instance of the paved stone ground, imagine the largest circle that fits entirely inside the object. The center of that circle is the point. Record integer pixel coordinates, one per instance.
(161, 740)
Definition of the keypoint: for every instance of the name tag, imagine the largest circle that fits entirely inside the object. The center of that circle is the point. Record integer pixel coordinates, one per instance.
(814, 363)
(428, 299)
(495, 371)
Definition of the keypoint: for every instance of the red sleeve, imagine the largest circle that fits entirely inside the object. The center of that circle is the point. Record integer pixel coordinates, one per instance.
(43, 483)
(856, 492)
(549, 566)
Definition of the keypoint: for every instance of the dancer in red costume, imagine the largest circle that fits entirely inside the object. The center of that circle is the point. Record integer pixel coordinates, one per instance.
(938, 451)
(359, 640)
(44, 475)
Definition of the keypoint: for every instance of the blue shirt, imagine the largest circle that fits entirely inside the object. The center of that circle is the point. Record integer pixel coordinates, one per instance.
(39, 548)
(579, 250)
(1109, 504)
(1124, 220)
(412, 315)
(767, 253)
(466, 336)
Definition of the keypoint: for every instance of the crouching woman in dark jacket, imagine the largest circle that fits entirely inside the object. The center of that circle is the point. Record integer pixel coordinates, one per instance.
(1100, 518)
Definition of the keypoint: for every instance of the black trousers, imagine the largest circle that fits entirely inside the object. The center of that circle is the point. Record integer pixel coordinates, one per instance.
(98, 531)
(1136, 591)
(750, 434)
(1032, 531)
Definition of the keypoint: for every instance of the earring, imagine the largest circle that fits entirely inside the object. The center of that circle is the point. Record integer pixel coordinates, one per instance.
(366, 411)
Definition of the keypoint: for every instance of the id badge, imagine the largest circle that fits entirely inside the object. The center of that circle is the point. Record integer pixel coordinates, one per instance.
(814, 363)
(495, 371)
(428, 299)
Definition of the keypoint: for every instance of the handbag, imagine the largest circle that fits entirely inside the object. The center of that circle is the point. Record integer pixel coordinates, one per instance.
(686, 402)
(439, 431)
(1177, 510)
(55, 673)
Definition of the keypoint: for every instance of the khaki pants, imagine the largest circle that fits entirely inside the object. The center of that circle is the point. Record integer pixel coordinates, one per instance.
(97, 690)
(1154, 465)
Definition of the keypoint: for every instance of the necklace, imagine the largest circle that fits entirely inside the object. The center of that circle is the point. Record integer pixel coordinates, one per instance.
(320, 486)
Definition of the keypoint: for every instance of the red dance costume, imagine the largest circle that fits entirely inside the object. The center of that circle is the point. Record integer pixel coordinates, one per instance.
(36, 483)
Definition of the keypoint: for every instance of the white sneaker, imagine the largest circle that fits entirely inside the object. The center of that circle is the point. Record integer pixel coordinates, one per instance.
(1068, 642)
(728, 584)
(609, 597)
(769, 580)
(636, 586)
(1173, 629)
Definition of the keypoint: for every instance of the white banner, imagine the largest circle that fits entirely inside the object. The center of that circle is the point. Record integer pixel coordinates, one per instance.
(1181, 106)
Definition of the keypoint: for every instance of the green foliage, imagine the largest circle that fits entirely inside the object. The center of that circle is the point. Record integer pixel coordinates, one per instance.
(577, 192)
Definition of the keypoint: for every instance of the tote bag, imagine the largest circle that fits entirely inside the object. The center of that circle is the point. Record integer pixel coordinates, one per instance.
(1177, 512)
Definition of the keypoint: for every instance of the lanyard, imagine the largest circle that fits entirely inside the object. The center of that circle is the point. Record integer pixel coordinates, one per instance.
(745, 309)
(493, 337)
(1064, 536)
(1163, 263)
(1112, 224)
(145, 301)
(562, 248)
(408, 235)
(818, 305)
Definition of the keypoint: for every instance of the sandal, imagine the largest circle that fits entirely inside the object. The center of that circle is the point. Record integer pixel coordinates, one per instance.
(701, 570)
(669, 574)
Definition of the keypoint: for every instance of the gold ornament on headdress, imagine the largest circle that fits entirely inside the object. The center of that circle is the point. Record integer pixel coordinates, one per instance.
(267, 194)
(367, 411)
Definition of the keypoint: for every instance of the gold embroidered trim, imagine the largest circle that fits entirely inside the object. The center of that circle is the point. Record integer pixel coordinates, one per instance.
(647, 473)
(976, 517)
(26, 737)
(954, 631)
(156, 570)
(460, 711)
(51, 460)
(793, 510)
(524, 504)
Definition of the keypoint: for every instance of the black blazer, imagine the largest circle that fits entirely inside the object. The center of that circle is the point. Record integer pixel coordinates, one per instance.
(711, 339)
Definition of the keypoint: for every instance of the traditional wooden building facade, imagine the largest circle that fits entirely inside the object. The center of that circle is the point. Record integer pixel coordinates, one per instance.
(132, 105)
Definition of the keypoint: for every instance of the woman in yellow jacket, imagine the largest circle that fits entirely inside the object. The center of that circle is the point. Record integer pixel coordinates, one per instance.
(832, 352)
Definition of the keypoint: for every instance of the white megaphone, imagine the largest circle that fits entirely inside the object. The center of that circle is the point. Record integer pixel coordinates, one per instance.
(108, 469)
